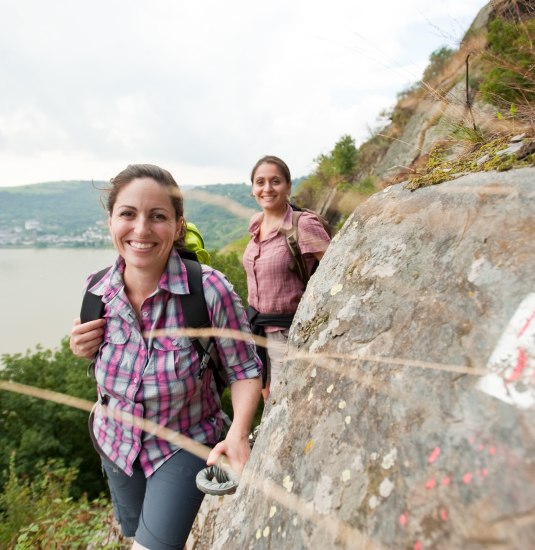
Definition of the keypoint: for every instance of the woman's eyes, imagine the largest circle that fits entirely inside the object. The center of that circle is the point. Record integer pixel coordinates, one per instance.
(275, 181)
(155, 216)
(159, 217)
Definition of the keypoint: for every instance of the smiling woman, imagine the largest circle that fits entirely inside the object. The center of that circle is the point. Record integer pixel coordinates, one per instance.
(274, 287)
(145, 221)
(159, 377)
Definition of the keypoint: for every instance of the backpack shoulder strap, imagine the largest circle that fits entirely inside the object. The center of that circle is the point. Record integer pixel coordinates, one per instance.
(194, 304)
(92, 306)
(292, 240)
(195, 313)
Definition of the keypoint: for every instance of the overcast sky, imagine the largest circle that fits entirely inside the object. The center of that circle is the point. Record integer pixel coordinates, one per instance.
(204, 87)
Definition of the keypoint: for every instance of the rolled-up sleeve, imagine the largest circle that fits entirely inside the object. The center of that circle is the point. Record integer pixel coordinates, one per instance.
(312, 235)
(238, 356)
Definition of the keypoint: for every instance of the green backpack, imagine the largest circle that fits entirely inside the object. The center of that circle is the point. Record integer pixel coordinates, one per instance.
(195, 243)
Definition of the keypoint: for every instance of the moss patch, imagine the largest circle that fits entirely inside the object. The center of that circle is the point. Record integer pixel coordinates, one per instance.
(482, 158)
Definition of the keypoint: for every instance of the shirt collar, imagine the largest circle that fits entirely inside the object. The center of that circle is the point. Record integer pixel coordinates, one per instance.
(256, 220)
(174, 279)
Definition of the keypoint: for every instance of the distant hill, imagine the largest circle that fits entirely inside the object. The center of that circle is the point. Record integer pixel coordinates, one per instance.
(40, 214)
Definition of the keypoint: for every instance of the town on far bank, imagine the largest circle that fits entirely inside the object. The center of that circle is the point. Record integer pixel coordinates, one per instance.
(33, 234)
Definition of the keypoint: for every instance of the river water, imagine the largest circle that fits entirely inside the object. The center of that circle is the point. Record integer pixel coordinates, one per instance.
(41, 292)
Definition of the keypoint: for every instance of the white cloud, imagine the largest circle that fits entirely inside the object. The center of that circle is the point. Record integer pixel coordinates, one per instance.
(203, 88)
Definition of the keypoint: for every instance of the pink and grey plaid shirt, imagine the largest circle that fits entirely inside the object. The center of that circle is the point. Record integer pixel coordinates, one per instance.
(156, 377)
(272, 287)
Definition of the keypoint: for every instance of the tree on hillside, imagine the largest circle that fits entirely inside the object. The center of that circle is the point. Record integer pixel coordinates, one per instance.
(344, 156)
(230, 264)
(333, 170)
(437, 62)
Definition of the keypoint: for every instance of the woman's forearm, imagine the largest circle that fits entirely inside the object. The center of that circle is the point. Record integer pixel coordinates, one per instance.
(245, 396)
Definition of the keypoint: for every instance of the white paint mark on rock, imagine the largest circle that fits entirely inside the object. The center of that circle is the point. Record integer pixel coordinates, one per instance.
(336, 289)
(287, 483)
(342, 404)
(475, 269)
(511, 366)
(330, 388)
(346, 475)
(389, 459)
(386, 488)
(373, 502)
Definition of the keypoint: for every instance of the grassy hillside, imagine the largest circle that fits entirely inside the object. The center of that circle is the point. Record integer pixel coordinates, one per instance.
(64, 206)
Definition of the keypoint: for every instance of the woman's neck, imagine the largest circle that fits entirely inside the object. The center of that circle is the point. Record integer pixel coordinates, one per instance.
(271, 220)
(139, 285)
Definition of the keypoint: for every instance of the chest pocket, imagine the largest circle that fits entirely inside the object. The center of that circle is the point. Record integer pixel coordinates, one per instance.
(171, 343)
(178, 355)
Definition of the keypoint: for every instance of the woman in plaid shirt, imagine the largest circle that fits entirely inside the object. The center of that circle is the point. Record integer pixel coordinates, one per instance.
(274, 287)
(156, 377)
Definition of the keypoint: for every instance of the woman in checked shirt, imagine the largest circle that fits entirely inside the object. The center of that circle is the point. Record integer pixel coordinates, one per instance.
(155, 378)
(273, 286)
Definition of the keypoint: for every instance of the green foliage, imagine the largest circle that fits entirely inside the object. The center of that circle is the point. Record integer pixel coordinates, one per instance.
(311, 190)
(340, 162)
(230, 264)
(437, 62)
(366, 186)
(325, 169)
(41, 514)
(344, 156)
(467, 133)
(510, 59)
(340, 170)
(38, 430)
(237, 246)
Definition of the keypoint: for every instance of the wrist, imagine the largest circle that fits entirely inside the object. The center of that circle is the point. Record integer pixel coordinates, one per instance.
(238, 432)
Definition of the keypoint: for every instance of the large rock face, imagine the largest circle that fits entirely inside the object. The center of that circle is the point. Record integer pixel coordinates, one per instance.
(406, 419)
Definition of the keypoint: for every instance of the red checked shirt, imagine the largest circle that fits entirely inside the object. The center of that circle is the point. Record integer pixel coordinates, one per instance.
(156, 378)
(272, 286)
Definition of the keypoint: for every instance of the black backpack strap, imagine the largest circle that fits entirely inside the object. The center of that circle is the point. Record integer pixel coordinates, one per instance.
(92, 306)
(194, 303)
(196, 316)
